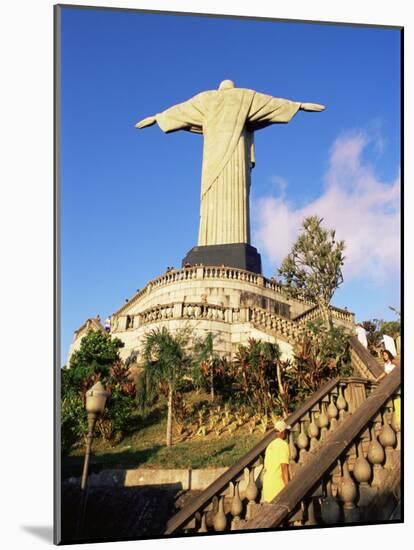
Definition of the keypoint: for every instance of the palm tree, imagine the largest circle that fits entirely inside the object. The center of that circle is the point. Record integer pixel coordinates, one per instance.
(207, 359)
(165, 362)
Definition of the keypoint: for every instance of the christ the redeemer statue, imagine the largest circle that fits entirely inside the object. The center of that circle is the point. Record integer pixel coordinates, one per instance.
(227, 118)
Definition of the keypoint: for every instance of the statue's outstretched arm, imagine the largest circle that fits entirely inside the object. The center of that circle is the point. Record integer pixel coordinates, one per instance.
(149, 121)
(312, 107)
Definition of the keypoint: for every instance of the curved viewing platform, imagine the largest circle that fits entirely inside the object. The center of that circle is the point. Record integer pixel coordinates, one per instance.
(208, 273)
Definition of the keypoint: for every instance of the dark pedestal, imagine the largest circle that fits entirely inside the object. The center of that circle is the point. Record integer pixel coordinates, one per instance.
(241, 255)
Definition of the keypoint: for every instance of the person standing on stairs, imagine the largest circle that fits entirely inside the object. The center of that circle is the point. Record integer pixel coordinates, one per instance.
(389, 364)
(276, 463)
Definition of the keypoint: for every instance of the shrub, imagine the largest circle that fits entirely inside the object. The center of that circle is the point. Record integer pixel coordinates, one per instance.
(97, 359)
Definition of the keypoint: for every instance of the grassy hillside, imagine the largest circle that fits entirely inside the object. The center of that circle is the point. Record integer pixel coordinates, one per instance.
(198, 443)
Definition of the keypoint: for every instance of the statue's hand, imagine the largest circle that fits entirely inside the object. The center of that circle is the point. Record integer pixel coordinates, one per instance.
(312, 107)
(149, 121)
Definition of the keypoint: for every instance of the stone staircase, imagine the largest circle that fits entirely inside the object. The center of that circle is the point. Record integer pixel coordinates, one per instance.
(345, 466)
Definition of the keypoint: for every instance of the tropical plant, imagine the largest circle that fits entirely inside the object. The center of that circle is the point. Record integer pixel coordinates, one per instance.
(313, 268)
(255, 371)
(208, 361)
(165, 365)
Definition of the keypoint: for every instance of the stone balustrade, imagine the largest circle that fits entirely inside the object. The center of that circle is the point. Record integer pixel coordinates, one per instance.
(315, 313)
(209, 273)
(363, 363)
(355, 475)
(233, 500)
(271, 323)
(276, 325)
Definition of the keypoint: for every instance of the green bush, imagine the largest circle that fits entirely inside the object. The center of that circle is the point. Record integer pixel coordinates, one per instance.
(322, 355)
(96, 359)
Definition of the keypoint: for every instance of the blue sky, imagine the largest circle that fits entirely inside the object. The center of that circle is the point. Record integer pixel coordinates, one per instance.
(130, 199)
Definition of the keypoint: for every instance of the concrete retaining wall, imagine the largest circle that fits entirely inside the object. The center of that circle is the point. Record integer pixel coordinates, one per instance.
(185, 479)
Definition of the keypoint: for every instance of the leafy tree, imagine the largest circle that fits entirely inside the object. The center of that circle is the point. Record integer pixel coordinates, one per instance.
(313, 268)
(92, 361)
(392, 328)
(373, 333)
(165, 366)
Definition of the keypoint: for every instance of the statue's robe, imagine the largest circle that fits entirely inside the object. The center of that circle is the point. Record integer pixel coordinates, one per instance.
(227, 119)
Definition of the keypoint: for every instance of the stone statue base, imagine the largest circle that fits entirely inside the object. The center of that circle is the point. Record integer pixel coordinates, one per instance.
(239, 255)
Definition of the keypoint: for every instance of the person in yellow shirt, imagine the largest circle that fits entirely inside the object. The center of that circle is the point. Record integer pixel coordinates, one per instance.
(276, 463)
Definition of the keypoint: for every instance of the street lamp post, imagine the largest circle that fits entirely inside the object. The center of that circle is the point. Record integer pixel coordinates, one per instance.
(95, 405)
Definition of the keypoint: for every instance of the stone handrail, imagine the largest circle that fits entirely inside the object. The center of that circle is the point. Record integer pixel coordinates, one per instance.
(362, 361)
(315, 404)
(315, 312)
(292, 504)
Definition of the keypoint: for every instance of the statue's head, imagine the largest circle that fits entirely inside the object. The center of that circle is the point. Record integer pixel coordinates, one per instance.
(226, 85)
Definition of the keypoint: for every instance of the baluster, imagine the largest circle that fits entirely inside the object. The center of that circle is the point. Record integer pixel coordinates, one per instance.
(293, 454)
(236, 504)
(251, 494)
(323, 420)
(362, 473)
(302, 442)
(220, 521)
(375, 456)
(387, 439)
(313, 432)
(348, 494)
(332, 413)
(330, 509)
(341, 404)
(362, 469)
(203, 526)
(310, 512)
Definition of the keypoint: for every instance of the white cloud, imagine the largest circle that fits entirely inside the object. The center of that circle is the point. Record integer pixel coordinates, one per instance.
(364, 210)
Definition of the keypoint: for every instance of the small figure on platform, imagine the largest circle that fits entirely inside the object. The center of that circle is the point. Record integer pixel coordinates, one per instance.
(107, 325)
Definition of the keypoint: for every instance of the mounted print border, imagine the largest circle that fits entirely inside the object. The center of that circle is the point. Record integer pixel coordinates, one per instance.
(255, 383)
